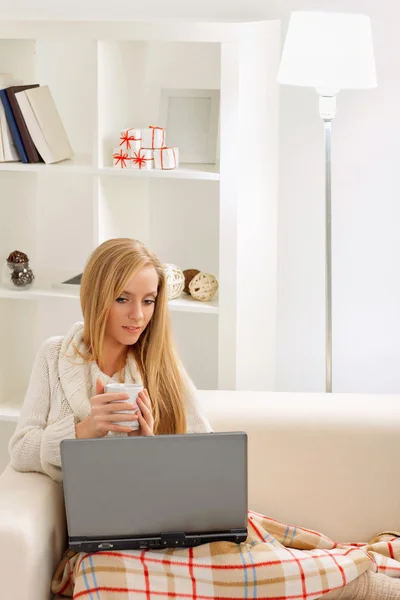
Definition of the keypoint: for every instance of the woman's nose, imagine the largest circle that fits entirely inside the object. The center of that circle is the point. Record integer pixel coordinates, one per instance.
(135, 312)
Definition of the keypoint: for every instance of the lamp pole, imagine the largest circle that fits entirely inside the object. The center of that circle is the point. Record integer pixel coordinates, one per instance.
(327, 111)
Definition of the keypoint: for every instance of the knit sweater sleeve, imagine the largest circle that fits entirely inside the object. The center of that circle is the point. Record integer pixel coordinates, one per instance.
(196, 421)
(35, 445)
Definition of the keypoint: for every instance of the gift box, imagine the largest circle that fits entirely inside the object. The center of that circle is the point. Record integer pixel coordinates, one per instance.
(130, 139)
(142, 159)
(166, 158)
(153, 137)
(122, 158)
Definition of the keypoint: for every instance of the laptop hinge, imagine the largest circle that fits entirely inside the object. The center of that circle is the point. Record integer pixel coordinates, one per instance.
(239, 531)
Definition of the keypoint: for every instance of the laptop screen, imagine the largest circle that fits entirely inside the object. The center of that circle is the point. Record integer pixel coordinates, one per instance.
(151, 485)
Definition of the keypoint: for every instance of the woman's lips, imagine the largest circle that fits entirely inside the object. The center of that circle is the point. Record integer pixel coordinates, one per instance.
(131, 330)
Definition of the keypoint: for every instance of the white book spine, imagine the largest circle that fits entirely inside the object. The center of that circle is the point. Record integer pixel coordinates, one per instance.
(53, 138)
(7, 143)
(2, 157)
(33, 127)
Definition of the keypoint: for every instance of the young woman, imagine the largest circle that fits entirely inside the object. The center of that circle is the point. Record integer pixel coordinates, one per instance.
(125, 337)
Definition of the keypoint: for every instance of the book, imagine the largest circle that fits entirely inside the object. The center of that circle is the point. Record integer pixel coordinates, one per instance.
(1, 146)
(3, 79)
(9, 150)
(33, 126)
(2, 156)
(44, 123)
(29, 147)
(13, 127)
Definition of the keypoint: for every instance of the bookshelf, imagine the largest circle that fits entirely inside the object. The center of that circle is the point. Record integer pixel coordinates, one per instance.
(82, 164)
(105, 76)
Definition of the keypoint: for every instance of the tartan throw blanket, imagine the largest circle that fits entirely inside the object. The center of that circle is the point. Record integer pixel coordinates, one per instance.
(277, 562)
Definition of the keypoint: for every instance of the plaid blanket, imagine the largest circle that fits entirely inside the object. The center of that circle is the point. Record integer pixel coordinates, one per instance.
(277, 562)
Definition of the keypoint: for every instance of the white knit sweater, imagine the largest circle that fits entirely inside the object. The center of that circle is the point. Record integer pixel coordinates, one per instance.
(58, 397)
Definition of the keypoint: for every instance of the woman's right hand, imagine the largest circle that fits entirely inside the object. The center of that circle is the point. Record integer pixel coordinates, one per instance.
(102, 418)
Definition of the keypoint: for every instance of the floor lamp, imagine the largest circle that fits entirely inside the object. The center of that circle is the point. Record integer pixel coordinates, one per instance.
(329, 52)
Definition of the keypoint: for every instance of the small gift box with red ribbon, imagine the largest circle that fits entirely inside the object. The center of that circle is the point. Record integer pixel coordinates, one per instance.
(166, 158)
(142, 159)
(153, 137)
(130, 139)
(122, 158)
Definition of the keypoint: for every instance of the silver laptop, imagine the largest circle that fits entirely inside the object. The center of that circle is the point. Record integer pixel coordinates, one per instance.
(155, 492)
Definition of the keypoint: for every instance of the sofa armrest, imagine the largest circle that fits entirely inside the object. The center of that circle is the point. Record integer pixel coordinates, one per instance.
(32, 534)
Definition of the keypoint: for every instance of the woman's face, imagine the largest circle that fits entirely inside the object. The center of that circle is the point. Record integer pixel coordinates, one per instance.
(131, 312)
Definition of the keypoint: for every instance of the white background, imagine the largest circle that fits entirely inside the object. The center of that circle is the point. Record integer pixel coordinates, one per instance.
(366, 203)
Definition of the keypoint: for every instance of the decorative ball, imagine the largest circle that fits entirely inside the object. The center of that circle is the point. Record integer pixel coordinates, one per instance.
(17, 267)
(17, 261)
(203, 286)
(17, 257)
(189, 274)
(22, 278)
(175, 280)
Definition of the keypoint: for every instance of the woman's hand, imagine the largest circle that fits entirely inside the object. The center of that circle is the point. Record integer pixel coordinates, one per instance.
(146, 421)
(102, 418)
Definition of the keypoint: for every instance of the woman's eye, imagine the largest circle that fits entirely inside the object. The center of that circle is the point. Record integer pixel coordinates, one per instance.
(121, 300)
(148, 302)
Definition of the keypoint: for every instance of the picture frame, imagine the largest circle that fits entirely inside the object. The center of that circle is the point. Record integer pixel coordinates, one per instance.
(190, 118)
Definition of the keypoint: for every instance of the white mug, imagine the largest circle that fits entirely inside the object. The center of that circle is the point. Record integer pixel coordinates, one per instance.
(133, 390)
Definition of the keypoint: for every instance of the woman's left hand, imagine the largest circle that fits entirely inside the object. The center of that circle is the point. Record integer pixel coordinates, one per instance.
(146, 421)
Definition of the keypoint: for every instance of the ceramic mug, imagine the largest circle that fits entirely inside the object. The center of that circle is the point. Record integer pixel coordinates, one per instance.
(133, 390)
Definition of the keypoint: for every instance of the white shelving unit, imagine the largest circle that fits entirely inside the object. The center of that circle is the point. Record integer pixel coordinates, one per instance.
(219, 218)
(81, 164)
(183, 303)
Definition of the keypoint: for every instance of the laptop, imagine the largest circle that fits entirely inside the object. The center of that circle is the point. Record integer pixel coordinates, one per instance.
(163, 491)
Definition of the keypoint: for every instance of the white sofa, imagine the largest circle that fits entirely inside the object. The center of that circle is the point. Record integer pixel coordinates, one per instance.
(326, 462)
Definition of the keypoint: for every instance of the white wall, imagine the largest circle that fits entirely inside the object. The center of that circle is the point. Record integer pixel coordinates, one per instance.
(366, 209)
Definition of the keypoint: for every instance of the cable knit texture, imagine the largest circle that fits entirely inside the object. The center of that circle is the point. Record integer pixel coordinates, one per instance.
(58, 397)
(369, 586)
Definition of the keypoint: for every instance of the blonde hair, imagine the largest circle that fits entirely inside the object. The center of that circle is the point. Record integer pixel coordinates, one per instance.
(106, 273)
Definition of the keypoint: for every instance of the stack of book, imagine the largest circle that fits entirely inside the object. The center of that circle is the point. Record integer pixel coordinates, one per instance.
(31, 129)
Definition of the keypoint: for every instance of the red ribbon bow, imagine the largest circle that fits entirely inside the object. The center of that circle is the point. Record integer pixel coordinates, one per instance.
(127, 139)
(121, 158)
(139, 159)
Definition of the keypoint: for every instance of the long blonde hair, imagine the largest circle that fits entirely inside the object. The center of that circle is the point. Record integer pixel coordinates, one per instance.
(106, 273)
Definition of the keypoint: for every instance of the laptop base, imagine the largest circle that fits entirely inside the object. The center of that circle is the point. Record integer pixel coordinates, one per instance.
(156, 542)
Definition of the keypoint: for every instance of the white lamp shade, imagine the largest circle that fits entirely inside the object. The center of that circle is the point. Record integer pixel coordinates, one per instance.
(328, 51)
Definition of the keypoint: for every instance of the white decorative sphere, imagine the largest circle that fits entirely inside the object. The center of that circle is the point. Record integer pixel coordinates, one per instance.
(175, 280)
(203, 286)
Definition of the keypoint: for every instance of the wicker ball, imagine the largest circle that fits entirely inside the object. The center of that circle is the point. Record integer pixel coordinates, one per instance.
(175, 280)
(189, 274)
(203, 286)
